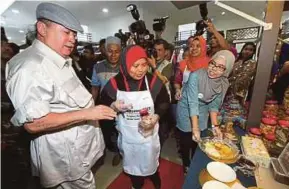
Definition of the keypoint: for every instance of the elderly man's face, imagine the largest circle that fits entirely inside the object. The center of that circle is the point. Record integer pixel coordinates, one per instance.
(57, 37)
(113, 53)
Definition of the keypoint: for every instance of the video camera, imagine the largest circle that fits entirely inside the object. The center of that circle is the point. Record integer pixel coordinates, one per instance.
(160, 24)
(123, 37)
(138, 33)
(201, 25)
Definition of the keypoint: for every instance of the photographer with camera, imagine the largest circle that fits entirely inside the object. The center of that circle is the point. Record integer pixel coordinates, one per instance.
(161, 47)
(163, 69)
(217, 41)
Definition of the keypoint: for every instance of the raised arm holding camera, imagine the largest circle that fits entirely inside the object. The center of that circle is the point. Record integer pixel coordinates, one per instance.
(218, 42)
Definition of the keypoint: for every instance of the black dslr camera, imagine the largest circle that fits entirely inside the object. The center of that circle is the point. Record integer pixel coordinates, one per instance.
(201, 25)
(160, 24)
(123, 37)
(138, 27)
(138, 32)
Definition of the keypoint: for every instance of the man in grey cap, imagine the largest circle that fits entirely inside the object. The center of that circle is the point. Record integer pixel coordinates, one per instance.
(53, 105)
(102, 72)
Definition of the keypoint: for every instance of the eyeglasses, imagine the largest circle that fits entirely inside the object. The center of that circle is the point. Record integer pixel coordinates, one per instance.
(219, 68)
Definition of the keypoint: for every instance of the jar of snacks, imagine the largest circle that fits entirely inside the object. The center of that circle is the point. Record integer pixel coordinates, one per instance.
(267, 114)
(269, 141)
(272, 106)
(268, 126)
(282, 132)
(255, 132)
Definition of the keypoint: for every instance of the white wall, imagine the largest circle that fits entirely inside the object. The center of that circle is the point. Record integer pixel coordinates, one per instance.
(171, 28)
(103, 28)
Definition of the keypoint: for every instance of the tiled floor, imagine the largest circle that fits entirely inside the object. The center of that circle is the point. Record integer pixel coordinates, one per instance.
(107, 173)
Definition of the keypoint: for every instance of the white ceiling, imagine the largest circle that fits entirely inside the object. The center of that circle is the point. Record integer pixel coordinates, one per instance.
(90, 12)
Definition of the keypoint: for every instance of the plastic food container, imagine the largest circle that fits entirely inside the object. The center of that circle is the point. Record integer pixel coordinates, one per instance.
(255, 132)
(272, 106)
(269, 141)
(268, 126)
(267, 114)
(280, 166)
(282, 132)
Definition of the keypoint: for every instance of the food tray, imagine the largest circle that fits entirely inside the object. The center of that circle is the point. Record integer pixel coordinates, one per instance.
(223, 159)
(278, 172)
(256, 151)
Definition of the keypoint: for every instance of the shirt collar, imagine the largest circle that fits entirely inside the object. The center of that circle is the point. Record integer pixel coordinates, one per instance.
(51, 54)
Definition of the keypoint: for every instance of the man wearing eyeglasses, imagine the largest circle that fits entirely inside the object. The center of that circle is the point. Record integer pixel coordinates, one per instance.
(52, 104)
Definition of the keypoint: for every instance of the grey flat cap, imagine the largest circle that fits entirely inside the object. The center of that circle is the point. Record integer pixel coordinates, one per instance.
(59, 15)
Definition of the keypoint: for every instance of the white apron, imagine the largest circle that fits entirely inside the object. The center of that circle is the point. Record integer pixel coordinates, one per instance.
(140, 154)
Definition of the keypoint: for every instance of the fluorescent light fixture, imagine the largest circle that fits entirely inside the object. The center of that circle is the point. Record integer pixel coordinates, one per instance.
(21, 31)
(15, 11)
(23, 41)
(223, 13)
(9, 38)
(105, 10)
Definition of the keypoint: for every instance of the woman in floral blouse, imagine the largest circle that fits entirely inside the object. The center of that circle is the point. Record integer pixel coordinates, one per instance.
(243, 73)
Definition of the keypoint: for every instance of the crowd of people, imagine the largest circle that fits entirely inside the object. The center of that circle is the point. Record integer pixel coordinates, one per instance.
(75, 105)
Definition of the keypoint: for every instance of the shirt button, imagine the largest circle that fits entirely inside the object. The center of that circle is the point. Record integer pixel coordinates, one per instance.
(85, 164)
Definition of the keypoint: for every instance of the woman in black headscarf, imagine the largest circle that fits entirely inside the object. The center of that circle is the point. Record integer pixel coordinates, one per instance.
(140, 99)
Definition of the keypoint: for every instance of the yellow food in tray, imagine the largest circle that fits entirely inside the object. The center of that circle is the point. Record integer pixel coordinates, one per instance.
(219, 150)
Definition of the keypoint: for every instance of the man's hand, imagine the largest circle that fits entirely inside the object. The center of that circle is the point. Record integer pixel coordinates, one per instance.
(152, 62)
(100, 112)
(211, 28)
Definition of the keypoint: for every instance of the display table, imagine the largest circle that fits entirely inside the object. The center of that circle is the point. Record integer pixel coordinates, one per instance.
(264, 178)
(200, 161)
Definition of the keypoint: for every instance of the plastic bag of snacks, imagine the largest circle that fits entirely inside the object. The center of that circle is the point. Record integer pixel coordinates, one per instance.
(147, 129)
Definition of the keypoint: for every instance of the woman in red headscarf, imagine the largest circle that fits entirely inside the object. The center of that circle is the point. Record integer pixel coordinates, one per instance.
(140, 100)
(197, 59)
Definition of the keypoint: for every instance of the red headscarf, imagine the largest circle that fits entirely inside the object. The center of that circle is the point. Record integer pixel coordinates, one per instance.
(129, 56)
(195, 63)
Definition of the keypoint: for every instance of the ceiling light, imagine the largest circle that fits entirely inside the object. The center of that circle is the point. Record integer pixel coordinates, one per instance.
(9, 38)
(15, 11)
(223, 13)
(23, 41)
(105, 10)
(21, 31)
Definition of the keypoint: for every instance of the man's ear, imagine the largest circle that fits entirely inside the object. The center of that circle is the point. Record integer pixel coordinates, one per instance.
(166, 52)
(41, 28)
